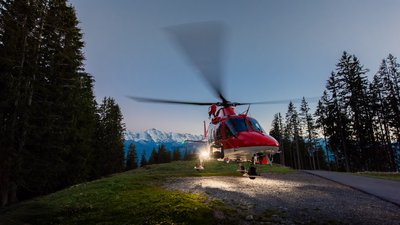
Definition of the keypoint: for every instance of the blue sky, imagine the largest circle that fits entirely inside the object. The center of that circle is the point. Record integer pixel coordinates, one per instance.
(275, 50)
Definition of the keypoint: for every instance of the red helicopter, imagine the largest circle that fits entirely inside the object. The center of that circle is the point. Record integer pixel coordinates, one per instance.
(230, 136)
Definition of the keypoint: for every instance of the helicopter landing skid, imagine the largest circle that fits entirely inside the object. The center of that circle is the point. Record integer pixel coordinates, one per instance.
(241, 169)
(251, 172)
(199, 165)
(198, 168)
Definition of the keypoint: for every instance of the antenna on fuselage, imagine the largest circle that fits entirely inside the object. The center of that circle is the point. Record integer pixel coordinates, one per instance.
(247, 111)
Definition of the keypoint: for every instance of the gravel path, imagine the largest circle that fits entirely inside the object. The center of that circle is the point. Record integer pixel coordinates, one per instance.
(295, 198)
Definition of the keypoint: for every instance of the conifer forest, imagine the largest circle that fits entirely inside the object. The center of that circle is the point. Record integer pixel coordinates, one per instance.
(54, 134)
(355, 126)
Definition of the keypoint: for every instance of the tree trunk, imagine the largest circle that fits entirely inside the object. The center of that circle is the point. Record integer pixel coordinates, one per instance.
(293, 156)
(282, 149)
(298, 154)
(17, 138)
(313, 160)
(4, 187)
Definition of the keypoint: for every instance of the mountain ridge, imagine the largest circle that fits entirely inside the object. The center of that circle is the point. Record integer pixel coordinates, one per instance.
(158, 136)
(146, 140)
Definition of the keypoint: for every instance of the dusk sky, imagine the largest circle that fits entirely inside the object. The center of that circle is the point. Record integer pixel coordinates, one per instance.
(275, 50)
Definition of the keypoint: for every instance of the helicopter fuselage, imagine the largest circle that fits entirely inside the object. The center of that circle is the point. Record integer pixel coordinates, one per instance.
(238, 136)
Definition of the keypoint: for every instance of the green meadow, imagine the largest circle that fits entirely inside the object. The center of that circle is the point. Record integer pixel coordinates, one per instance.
(132, 197)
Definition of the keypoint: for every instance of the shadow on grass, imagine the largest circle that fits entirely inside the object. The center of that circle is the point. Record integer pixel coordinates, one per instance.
(31, 212)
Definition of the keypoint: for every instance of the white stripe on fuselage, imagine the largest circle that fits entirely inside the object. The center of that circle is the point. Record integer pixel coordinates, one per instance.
(246, 153)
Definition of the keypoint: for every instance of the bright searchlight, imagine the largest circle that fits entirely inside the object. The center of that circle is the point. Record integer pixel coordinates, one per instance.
(204, 155)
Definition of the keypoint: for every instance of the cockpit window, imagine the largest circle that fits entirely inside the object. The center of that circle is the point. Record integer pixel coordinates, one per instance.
(256, 126)
(237, 125)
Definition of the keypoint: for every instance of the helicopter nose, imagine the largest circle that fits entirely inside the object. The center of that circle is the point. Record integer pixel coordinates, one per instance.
(257, 139)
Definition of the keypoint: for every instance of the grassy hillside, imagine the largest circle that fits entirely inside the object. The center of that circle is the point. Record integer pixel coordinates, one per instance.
(133, 197)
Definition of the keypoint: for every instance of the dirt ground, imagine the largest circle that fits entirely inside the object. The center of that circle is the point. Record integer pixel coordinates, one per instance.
(294, 198)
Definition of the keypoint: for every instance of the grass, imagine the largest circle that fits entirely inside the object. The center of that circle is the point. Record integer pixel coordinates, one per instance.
(133, 197)
(381, 175)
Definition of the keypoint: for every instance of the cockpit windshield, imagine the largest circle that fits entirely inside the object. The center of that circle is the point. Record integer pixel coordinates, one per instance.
(256, 126)
(237, 125)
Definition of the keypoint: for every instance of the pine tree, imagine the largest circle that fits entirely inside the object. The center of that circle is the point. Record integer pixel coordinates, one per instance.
(69, 100)
(109, 156)
(168, 156)
(176, 155)
(356, 107)
(337, 118)
(19, 41)
(294, 131)
(131, 159)
(384, 97)
(308, 125)
(46, 137)
(357, 102)
(143, 161)
(277, 133)
(348, 114)
(186, 154)
(393, 86)
(163, 155)
(322, 123)
(153, 157)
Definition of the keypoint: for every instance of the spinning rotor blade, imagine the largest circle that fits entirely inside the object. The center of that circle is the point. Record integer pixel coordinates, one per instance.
(202, 43)
(140, 99)
(311, 99)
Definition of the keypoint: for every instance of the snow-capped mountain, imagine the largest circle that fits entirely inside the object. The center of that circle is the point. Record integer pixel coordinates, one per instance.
(157, 136)
(149, 139)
